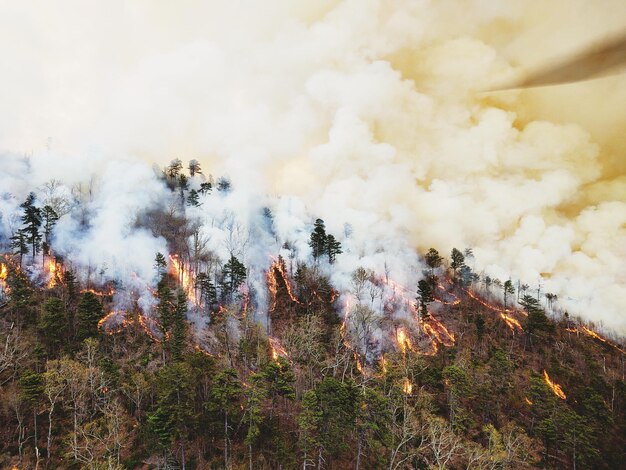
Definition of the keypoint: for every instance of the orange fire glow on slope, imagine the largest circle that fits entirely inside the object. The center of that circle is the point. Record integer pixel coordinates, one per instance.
(184, 277)
(277, 349)
(404, 342)
(114, 322)
(55, 270)
(4, 273)
(556, 388)
(511, 322)
(274, 273)
(107, 293)
(593, 334)
(407, 386)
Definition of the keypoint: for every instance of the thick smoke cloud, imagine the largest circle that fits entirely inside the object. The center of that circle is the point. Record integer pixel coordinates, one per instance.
(368, 113)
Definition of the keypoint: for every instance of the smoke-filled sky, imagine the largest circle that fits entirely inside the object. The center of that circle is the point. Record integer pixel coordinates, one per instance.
(373, 113)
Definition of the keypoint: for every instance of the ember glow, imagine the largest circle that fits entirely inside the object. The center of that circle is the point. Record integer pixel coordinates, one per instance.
(277, 349)
(185, 278)
(407, 386)
(275, 275)
(4, 273)
(556, 388)
(511, 322)
(114, 322)
(595, 335)
(106, 293)
(404, 342)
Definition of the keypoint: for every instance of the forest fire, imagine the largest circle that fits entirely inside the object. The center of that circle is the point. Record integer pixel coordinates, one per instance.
(150, 326)
(277, 349)
(511, 322)
(114, 322)
(276, 272)
(4, 273)
(184, 277)
(556, 388)
(528, 401)
(593, 334)
(55, 270)
(404, 342)
(407, 386)
(106, 293)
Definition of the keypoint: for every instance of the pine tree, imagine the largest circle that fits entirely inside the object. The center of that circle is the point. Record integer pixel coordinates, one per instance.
(208, 293)
(425, 295)
(194, 167)
(205, 187)
(223, 184)
(53, 325)
(233, 275)
(508, 289)
(31, 221)
(160, 265)
(458, 260)
(50, 218)
(19, 244)
(433, 260)
(333, 248)
(193, 198)
(165, 307)
(87, 316)
(317, 241)
(179, 327)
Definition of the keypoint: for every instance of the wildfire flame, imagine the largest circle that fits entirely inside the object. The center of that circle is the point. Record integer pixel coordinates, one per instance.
(55, 270)
(383, 364)
(114, 322)
(511, 322)
(527, 400)
(593, 334)
(184, 277)
(277, 349)
(407, 386)
(107, 293)
(277, 271)
(404, 342)
(4, 273)
(556, 388)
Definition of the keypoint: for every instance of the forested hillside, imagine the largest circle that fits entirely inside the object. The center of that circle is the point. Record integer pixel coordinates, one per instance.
(210, 369)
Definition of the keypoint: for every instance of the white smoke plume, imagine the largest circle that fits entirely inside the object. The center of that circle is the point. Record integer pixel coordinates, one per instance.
(372, 115)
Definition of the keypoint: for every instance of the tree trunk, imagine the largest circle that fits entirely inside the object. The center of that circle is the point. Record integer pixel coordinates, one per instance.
(226, 441)
(49, 431)
(358, 454)
(35, 426)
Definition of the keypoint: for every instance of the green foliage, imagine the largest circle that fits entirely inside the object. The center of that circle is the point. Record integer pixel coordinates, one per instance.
(31, 222)
(317, 241)
(53, 325)
(233, 275)
(87, 316)
(333, 248)
(433, 260)
(179, 328)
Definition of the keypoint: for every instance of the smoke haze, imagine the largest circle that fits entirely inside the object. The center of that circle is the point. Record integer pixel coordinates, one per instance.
(369, 114)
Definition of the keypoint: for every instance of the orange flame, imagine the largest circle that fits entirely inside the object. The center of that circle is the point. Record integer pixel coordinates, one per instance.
(511, 322)
(277, 349)
(595, 335)
(276, 271)
(556, 388)
(4, 273)
(407, 386)
(114, 322)
(404, 342)
(383, 364)
(527, 400)
(184, 277)
(357, 360)
(107, 293)
(55, 270)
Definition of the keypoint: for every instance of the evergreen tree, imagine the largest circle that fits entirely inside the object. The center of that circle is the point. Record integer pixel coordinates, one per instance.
(193, 198)
(458, 260)
(50, 219)
(19, 244)
(333, 248)
(208, 292)
(536, 321)
(433, 260)
(179, 328)
(194, 167)
(160, 265)
(165, 307)
(173, 169)
(87, 316)
(223, 184)
(279, 378)
(508, 289)
(425, 295)
(205, 187)
(31, 221)
(233, 275)
(317, 241)
(225, 397)
(53, 325)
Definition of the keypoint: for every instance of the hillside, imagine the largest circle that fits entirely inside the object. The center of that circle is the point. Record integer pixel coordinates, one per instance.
(207, 375)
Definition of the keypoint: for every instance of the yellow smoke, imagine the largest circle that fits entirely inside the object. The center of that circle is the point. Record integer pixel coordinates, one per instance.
(373, 112)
